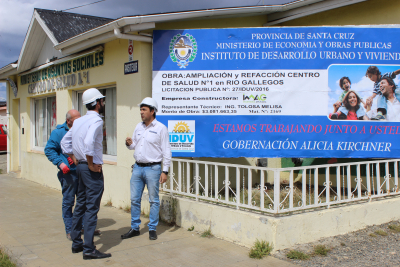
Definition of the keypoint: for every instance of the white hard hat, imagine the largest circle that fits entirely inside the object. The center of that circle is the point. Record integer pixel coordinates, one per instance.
(148, 101)
(91, 95)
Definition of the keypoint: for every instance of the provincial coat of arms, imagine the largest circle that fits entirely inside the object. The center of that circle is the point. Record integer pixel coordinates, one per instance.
(183, 49)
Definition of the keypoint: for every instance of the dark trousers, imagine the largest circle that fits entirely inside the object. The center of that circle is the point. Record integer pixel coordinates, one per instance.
(69, 186)
(90, 191)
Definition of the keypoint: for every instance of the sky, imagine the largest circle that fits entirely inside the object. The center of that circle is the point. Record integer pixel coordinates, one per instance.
(15, 16)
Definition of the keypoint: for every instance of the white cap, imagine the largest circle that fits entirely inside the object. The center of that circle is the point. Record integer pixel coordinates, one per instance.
(148, 101)
(91, 95)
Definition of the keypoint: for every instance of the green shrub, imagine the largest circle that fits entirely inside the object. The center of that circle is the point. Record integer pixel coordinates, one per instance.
(5, 260)
(260, 249)
(395, 228)
(381, 232)
(321, 250)
(207, 233)
(297, 255)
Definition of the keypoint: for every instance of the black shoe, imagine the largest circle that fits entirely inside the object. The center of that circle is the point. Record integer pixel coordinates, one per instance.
(96, 255)
(77, 250)
(130, 234)
(152, 235)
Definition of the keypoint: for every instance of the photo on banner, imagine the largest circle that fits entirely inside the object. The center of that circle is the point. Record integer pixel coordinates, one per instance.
(279, 92)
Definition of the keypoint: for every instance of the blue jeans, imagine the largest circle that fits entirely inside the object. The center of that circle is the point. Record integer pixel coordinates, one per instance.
(90, 191)
(381, 101)
(69, 187)
(151, 177)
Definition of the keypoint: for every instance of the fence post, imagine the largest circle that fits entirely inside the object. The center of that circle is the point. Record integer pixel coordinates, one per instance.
(171, 179)
(262, 184)
(396, 175)
(304, 188)
(338, 185)
(237, 187)
(327, 187)
(378, 178)
(277, 193)
(249, 187)
(368, 181)
(291, 190)
(206, 180)
(226, 184)
(315, 186)
(216, 181)
(197, 177)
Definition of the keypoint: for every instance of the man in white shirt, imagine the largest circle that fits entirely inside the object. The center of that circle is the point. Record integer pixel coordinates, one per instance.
(150, 140)
(83, 143)
(388, 87)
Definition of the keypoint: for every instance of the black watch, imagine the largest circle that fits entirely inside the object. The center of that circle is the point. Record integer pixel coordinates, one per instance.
(165, 172)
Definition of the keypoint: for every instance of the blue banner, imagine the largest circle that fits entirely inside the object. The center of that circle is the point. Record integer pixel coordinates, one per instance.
(279, 92)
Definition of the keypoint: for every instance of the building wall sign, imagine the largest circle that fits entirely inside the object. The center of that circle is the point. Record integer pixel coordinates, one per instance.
(66, 74)
(131, 67)
(269, 92)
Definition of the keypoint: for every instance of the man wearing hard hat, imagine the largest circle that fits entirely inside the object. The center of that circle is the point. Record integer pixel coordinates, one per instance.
(150, 140)
(83, 143)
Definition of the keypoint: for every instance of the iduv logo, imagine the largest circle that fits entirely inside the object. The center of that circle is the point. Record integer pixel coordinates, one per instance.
(254, 98)
(182, 136)
(183, 49)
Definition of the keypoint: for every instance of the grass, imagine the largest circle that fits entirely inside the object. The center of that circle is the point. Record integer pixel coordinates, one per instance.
(372, 235)
(297, 255)
(127, 208)
(381, 232)
(260, 249)
(207, 233)
(321, 250)
(109, 203)
(191, 228)
(5, 260)
(342, 244)
(395, 228)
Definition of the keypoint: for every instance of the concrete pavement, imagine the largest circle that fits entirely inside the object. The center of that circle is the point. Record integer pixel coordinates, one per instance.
(31, 228)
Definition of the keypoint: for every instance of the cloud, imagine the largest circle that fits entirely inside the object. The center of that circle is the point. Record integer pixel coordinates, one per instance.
(363, 87)
(15, 15)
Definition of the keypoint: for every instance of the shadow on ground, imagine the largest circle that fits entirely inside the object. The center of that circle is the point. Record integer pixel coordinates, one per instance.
(112, 238)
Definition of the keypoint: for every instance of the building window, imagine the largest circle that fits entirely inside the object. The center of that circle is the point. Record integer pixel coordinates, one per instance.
(110, 119)
(45, 119)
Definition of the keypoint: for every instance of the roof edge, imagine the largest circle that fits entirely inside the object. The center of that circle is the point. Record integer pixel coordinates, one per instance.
(164, 17)
(8, 70)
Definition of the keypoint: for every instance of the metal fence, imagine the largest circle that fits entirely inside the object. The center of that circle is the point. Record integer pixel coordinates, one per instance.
(281, 190)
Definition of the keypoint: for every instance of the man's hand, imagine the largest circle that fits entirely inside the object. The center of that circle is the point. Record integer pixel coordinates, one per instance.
(163, 178)
(64, 168)
(70, 161)
(95, 167)
(128, 141)
(369, 99)
(368, 105)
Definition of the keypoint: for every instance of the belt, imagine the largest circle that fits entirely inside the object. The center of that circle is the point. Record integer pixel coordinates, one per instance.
(147, 164)
(83, 162)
